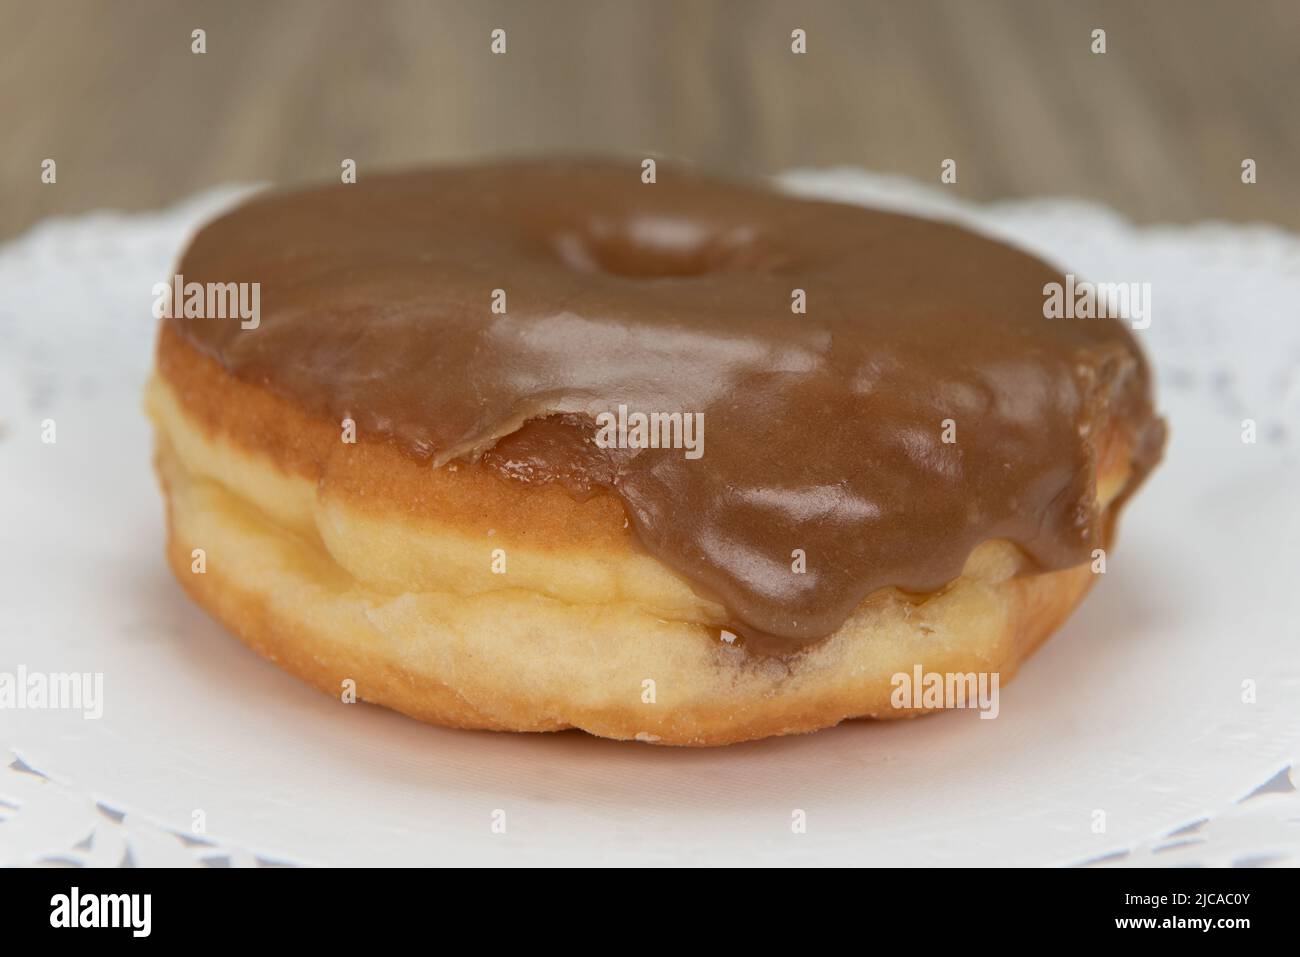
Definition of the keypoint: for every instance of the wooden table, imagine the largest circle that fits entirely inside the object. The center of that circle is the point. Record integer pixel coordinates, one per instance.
(1157, 126)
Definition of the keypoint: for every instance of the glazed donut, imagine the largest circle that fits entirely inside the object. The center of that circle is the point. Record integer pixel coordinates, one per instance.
(546, 445)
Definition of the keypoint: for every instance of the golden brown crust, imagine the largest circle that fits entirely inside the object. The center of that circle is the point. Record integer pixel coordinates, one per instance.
(354, 562)
(374, 474)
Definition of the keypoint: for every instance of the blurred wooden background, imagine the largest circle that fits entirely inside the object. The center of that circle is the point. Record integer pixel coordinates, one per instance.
(1157, 126)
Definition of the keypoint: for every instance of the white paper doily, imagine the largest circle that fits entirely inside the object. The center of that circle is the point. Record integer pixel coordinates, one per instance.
(1135, 709)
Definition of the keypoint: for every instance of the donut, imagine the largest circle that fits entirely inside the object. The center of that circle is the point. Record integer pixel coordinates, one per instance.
(553, 444)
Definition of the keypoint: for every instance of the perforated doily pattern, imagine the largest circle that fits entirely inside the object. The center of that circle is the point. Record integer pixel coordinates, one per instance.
(1136, 709)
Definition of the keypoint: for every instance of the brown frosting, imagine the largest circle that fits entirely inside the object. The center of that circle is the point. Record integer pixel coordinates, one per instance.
(823, 432)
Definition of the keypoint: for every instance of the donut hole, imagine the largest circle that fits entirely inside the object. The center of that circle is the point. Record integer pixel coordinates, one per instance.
(654, 248)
